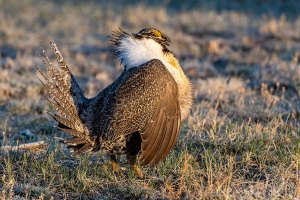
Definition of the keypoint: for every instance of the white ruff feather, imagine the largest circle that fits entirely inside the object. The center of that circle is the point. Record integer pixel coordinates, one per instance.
(135, 52)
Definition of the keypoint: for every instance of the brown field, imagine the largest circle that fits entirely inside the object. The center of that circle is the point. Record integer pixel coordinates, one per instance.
(241, 140)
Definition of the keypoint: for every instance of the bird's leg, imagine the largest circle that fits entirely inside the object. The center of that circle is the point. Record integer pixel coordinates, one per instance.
(114, 164)
(132, 162)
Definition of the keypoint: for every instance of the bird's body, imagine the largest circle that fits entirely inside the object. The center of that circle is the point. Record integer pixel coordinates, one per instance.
(139, 112)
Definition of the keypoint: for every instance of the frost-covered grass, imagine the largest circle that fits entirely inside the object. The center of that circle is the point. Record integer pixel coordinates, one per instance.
(241, 139)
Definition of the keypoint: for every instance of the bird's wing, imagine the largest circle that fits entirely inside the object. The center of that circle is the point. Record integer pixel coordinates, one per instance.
(67, 99)
(144, 99)
(161, 132)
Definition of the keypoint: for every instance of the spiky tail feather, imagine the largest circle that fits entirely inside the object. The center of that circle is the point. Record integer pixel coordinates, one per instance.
(67, 98)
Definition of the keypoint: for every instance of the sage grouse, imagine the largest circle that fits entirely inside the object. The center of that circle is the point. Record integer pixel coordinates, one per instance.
(139, 112)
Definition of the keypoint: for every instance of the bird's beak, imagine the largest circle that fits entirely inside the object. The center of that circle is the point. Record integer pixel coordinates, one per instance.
(166, 39)
(137, 35)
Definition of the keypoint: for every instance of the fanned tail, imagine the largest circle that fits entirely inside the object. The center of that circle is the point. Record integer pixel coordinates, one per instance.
(68, 100)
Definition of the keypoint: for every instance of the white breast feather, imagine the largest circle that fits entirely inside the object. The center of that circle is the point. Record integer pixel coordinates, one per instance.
(134, 52)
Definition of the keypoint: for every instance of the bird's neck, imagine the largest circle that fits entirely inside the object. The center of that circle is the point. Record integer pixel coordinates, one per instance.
(134, 52)
(170, 58)
(185, 92)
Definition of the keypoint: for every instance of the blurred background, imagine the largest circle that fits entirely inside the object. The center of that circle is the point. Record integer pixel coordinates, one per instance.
(242, 57)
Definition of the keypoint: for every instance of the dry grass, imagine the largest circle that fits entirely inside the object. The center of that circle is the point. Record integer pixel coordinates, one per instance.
(241, 140)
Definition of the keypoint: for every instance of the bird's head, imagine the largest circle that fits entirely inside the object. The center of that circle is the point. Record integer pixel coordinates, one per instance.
(146, 33)
(154, 34)
(135, 49)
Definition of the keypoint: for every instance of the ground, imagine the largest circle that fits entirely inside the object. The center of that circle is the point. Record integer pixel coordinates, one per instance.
(241, 139)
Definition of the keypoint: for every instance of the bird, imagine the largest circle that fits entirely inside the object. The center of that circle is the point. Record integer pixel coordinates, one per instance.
(138, 115)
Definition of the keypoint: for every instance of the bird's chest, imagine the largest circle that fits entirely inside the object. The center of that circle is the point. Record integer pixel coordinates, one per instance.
(115, 146)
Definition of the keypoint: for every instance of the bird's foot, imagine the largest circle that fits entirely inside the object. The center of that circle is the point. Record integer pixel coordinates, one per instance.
(132, 163)
(115, 166)
(117, 169)
(138, 170)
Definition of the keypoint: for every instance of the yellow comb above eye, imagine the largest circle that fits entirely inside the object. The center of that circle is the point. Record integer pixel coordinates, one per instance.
(156, 33)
